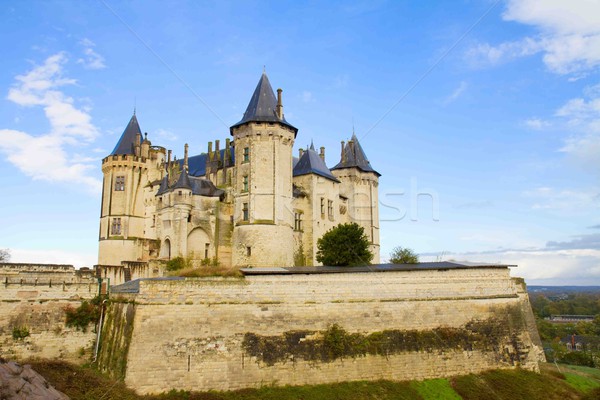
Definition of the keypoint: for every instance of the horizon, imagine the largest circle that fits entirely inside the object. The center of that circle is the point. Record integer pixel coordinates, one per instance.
(485, 127)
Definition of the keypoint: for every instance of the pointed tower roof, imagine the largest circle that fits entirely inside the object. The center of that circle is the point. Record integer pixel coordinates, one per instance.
(353, 156)
(126, 144)
(311, 163)
(263, 106)
(183, 182)
(164, 186)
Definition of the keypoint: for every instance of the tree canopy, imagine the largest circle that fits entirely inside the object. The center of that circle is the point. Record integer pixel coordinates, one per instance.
(344, 245)
(403, 255)
(4, 255)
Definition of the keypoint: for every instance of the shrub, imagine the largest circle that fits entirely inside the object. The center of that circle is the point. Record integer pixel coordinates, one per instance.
(344, 245)
(177, 263)
(403, 255)
(86, 313)
(20, 332)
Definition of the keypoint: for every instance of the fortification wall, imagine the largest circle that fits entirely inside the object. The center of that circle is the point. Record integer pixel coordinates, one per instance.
(218, 333)
(32, 299)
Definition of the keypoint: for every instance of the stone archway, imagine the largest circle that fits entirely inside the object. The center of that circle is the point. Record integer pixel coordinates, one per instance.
(165, 249)
(199, 245)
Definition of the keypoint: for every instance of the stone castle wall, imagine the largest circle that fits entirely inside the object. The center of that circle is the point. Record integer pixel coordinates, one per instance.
(34, 296)
(193, 334)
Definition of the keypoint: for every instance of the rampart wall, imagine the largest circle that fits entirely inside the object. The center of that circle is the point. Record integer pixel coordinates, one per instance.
(227, 333)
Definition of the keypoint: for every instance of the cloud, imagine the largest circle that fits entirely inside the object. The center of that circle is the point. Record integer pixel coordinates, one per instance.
(307, 97)
(91, 59)
(568, 35)
(588, 241)
(45, 157)
(475, 205)
(77, 259)
(537, 124)
(594, 227)
(577, 201)
(166, 134)
(462, 86)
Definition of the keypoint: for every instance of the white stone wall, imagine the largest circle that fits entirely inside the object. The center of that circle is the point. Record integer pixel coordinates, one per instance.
(188, 334)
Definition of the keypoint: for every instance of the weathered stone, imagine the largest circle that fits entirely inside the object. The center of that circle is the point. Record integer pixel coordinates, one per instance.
(22, 383)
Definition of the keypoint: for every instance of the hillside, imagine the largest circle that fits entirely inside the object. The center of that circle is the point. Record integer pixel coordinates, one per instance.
(571, 383)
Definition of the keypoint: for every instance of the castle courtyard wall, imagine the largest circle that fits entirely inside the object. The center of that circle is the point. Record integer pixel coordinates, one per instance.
(189, 334)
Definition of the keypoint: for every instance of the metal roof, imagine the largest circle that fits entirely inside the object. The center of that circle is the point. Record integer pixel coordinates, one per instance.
(183, 182)
(444, 265)
(354, 157)
(311, 163)
(199, 186)
(263, 106)
(197, 164)
(126, 144)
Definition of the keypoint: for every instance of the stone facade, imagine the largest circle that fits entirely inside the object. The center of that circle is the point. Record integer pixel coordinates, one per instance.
(190, 333)
(251, 203)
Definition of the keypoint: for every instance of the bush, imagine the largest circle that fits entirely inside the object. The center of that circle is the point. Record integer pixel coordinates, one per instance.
(177, 263)
(578, 358)
(403, 255)
(86, 313)
(20, 332)
(344, 245)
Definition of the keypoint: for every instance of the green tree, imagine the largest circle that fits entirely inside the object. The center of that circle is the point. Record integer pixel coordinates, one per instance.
(403, 255)
(344, 245)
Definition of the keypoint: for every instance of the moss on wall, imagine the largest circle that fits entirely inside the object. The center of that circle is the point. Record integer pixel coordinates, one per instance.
(499, 334)
(117, 331)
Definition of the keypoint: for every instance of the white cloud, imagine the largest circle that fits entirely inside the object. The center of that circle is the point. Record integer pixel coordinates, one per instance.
(77, 259)
(537, 124)
(462, 86)
(45, 156)
(91, 59)
(165, 134)
(565, 200)
(568, 35)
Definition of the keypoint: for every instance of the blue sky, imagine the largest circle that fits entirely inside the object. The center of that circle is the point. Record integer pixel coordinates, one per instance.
(482, 117)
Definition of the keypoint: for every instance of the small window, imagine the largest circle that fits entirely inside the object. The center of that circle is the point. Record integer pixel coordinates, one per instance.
(245, 212)
(245, 189)
(115, 228)
(248, 251)
(153, 220)
(330, 208)
(206, 249)
(322, 206)
(120, 183)
(246, 154)
(298, 221)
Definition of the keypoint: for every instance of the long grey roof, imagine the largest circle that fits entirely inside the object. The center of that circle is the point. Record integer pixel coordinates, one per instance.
(197, 163)
(263, 106)
(311, 163)
(126, 144)
(354, 157)
(199, 186)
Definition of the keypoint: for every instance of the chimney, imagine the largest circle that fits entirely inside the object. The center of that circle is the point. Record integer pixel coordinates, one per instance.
(351, 145)
(209, 151)
(217, 150)
(168, 160)
(322, 153)
(300, 152)
(343, 156)
(185, 157)
(138, 140)
(227, 157)
(279, 104)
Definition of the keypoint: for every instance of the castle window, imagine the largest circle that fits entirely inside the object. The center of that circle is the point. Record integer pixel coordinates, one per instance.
(330, 208)
(298, 221)
(115, 228)
(153, 220)
(248, 251)
(206, 248)
(246, 154)
(245, 212)
(120, 183)
(245, 189)
(322, 206)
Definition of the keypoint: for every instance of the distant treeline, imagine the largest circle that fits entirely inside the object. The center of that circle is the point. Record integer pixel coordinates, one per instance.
(556, 303)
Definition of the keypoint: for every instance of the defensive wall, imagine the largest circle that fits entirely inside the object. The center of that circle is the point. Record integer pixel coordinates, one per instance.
(310, 325)
(32, 317)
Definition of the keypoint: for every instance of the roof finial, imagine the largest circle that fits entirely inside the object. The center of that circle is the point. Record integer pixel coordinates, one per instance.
(353, 125)
(312, 146)
(134, 104)
(264, 69)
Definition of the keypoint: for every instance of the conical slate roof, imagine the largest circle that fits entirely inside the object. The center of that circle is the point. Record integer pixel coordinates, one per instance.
(183, 182)
(164, 186)
(311, 163)
(126, 144)
(263, 106)
(354, 157)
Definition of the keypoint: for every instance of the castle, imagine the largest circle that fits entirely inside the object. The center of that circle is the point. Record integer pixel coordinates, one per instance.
(251, 203)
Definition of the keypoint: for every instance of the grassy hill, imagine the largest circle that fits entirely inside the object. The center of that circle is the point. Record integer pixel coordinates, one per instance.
(81, 383)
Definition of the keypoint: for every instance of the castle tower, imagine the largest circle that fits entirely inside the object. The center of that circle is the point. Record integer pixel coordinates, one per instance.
(262, 187)
(359, 184)
(122, 209)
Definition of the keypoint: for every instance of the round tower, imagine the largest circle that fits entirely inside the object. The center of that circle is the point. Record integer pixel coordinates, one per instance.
(263, 216)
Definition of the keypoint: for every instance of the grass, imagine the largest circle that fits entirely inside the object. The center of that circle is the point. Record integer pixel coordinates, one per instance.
(84, 383)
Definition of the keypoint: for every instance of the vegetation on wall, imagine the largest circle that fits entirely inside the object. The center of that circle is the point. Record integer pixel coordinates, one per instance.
(20, 332)
(403, 255)
(336, 343)
(84, 315)
(344, 245)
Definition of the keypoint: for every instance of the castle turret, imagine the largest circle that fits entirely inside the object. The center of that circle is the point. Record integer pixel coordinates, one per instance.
(263, 218)
(359, 184)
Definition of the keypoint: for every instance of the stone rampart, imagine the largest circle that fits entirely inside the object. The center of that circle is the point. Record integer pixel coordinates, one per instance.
(227, 333)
